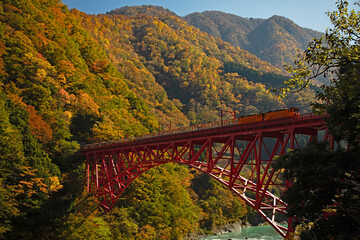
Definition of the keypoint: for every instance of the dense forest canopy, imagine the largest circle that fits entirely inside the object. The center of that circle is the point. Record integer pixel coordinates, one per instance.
(68, 78)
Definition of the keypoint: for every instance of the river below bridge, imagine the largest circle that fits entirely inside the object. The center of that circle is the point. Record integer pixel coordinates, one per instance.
(264, 232)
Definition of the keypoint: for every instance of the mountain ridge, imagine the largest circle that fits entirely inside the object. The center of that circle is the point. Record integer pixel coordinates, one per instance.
(275, 40)
(276, 48)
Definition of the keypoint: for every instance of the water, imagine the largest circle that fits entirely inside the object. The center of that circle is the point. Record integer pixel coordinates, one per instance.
(265, 232)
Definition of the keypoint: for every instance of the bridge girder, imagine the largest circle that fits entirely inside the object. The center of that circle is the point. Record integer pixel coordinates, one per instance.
(239, 157)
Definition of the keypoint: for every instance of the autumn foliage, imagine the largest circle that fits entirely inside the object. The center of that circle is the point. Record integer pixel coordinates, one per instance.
(68, 78)
(39, 128)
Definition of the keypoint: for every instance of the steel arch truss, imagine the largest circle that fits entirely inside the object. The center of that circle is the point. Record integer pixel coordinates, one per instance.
(239, 160)
(238, 156)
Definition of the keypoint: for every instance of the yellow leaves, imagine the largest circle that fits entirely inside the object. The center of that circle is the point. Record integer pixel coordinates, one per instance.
(39, 65)
(31, 185)
(184, 84)
(107, 130)
(106, 41)
(87, 103)
(54, 184)
(67, 115)
(159, 23)
(41, 74)
(300, 77)
(301, 228)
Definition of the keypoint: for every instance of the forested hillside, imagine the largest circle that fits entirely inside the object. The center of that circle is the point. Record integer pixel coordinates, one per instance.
(275, 40)
(68, 78)
(201, 71)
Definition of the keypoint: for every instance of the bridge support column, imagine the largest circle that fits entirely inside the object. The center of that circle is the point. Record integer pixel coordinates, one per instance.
(238, 156)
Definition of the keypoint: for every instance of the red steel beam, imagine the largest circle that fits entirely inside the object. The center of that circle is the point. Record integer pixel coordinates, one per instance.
(111, 167)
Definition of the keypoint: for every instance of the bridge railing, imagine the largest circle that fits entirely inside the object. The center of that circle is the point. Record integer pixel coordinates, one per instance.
(188, 128)
(192, 128)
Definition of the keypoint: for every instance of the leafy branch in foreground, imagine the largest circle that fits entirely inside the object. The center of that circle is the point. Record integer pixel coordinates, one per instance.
(324, 56)
(325, 193)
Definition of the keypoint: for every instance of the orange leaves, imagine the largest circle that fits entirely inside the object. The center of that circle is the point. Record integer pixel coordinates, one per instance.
(66, 67)
(65, 98)
(39, 128)
(12, 9)
(58, 15)
(99, 66)
(2, 51)
(31, 185)
(147, 232)
(43, 41)
(27, 188)
(15, 98)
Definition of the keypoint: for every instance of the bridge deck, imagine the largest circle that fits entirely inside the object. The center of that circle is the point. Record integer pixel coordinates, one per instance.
(302, 124)
(238, 156)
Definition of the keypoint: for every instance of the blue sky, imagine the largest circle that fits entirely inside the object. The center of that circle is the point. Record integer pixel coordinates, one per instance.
(306, 13)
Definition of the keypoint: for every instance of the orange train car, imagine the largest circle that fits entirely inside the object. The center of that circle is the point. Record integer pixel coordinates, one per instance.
(251, 118)
(286, 113)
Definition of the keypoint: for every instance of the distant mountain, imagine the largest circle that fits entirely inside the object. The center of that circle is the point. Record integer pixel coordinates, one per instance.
(188, 63)
(191, 65)
(149, 10)
(275, 40)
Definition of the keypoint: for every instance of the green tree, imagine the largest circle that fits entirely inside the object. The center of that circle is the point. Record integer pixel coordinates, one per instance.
(84, 220)
(326, 183)
(8, 209)
(160, 200)
(121, 224)
(323, 191)
(219, 205)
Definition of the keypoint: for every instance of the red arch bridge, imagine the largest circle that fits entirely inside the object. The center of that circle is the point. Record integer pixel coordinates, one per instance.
(238, 156)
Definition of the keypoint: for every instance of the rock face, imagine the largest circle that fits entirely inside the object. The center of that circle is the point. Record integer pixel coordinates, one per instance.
(230, 227)
(275, 40)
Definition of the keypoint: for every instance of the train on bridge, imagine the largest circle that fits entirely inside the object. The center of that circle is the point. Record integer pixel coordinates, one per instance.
(274, 115)
(250, 119)
(238, 152)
